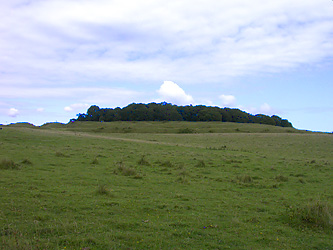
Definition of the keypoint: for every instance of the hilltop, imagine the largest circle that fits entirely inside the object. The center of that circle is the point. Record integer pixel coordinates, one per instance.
(168, 112)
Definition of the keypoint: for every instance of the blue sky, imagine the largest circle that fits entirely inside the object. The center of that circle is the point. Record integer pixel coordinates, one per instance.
(58, 57)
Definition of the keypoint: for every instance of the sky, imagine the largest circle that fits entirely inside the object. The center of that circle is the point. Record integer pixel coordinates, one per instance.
(274, 57)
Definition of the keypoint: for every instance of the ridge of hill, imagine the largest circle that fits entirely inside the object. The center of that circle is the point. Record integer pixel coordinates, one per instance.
(169, 112)
(159, 127)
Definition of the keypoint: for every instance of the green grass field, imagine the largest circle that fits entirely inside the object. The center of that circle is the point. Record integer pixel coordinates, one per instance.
(165, 185)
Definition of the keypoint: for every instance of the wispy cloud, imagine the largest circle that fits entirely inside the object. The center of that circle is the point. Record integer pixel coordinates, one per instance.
(69, 41)
(264, 108)
(76, 106)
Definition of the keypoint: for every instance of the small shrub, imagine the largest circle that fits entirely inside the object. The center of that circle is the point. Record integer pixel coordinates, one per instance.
(8, 164)
(143, 161)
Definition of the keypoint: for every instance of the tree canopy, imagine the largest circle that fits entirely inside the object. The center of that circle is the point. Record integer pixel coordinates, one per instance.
(169, 112)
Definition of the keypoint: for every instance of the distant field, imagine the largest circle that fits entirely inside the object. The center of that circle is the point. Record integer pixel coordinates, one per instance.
(165, 185)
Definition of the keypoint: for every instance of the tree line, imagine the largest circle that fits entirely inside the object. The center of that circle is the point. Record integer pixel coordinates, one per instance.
(169, 112)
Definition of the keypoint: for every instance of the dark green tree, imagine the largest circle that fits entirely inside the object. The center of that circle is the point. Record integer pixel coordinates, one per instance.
(167, 112)
(93, 113)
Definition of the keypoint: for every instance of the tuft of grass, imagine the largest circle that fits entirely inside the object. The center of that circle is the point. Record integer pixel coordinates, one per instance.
(27, 162)
(127, 171)
(60, 154)
(102, 190)
(244, 178)
(281, 178)
(95, 161)
(223, 147)
(8, 164)
(138, 176)
(301, 180)
(186, 131)
(183, 176)
(183, 172)
(167, 164)
(201, 164)
(183, 179)
(233, 161)
(143, 161)
(316, 213)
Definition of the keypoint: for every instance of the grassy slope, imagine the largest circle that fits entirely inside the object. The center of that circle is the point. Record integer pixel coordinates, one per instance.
(85, 186)
(168, 127)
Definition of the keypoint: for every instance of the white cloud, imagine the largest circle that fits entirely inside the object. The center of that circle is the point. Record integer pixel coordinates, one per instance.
(265, 108)
(228, 100)
(76, 106)
(13, 112)
(171, 92)
(40, 110)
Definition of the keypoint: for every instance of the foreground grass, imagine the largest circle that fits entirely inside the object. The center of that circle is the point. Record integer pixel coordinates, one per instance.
(66, 189)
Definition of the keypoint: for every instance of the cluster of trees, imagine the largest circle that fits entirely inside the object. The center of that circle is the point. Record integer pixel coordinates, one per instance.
(168, 112)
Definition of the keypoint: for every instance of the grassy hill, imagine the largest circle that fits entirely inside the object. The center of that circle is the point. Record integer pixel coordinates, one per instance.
(170, 127)
(164, 185)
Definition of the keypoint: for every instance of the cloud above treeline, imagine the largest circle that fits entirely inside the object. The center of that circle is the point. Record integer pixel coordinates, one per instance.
(76, 106)
(68, 41)
(13, 112)
(171, 92)
(228, 100)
